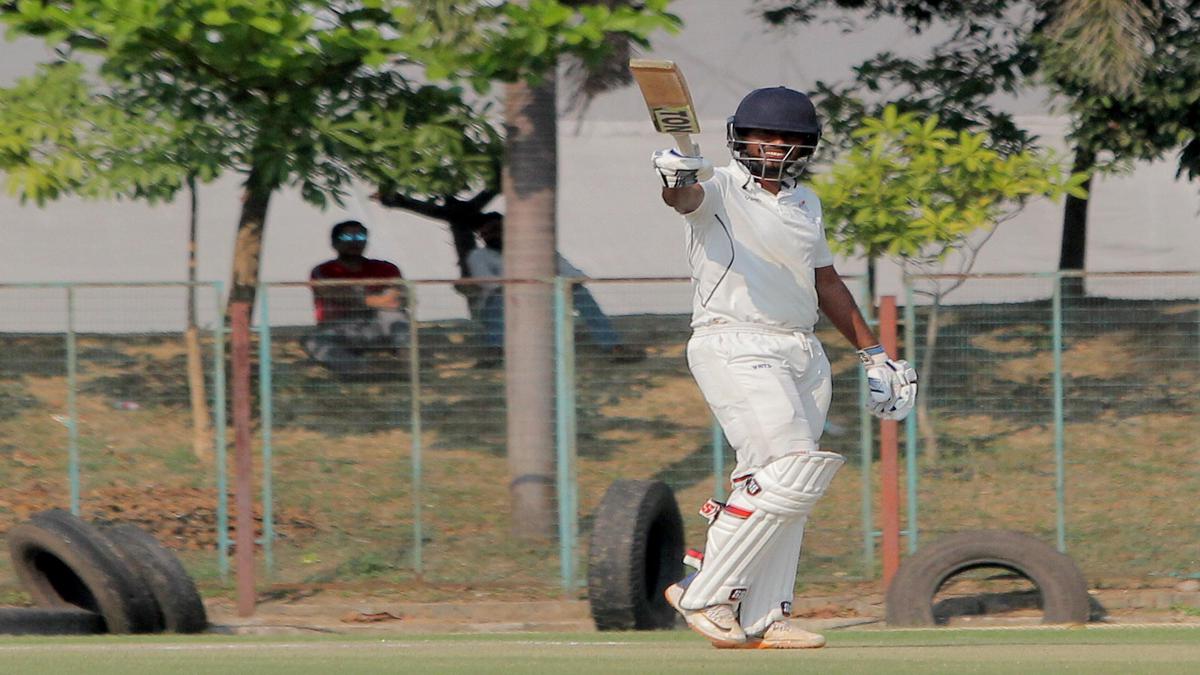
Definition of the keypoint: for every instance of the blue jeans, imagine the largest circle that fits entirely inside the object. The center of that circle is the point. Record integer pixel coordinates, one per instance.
(597, 324)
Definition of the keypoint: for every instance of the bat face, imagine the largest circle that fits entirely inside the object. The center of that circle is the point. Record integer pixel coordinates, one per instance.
(667, 96)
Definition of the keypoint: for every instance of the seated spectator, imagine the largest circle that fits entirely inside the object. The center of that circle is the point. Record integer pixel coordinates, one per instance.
(488, 307)
(354, 321)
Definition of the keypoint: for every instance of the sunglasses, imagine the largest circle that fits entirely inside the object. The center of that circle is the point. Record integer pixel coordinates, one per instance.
(359, 236)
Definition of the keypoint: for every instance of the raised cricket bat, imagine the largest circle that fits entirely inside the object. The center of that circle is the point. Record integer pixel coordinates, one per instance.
(669, 102)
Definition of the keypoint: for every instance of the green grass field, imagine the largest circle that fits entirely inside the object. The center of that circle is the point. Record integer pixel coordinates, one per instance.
(1168, 649)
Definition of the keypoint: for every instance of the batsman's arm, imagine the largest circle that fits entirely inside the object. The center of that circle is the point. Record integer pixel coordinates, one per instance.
(684, 199)
(838, 304)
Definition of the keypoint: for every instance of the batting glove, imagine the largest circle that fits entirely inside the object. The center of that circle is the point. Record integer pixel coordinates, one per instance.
(892, 384)
(678, 170)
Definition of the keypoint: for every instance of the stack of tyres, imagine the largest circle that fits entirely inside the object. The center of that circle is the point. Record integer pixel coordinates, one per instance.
(88, 579)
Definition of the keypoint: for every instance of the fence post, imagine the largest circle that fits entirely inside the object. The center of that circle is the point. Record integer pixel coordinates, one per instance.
(266, 413)
(564, 353)
(1060, 519)
(718, 458)
(414, 383)
(910, 423)
(865, 449)
(72, 404)
(239, 315)
(219, 438)
(888, 460)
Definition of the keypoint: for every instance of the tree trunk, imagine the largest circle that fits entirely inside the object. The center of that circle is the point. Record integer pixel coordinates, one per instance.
(530, 187)
(1074, 238)
(247, 250)
(201, 443)
(871, 280)
(463, 234)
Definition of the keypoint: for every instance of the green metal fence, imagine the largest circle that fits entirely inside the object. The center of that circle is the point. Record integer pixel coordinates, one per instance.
(1063, 405)
(441, 502)
(1044, 408)
(96, 395)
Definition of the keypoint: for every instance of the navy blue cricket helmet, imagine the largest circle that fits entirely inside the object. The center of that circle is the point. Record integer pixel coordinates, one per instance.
(775, 109)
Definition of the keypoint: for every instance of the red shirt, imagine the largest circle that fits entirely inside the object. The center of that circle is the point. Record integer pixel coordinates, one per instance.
(347, 302)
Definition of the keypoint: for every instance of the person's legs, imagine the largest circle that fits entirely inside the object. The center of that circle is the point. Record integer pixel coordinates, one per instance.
(770, 598)
(333, 345)
(492, 317)
(491, 324)
(757, 525)
(597, 323)
(770, 394)
(393, 328)
(600, 327)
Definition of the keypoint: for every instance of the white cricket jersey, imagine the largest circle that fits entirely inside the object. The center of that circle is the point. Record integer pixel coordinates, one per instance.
(753, 254)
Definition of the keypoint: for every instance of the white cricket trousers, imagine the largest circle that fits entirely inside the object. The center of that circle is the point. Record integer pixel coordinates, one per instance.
(768, 387)
(770, 390)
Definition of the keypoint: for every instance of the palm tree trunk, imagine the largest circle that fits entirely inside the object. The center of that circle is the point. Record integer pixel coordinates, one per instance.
(530, 194)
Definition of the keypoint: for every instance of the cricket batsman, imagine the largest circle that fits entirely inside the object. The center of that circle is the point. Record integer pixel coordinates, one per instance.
(761, 269)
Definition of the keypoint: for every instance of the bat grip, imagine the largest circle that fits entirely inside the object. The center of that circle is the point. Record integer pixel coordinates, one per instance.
(688, 147)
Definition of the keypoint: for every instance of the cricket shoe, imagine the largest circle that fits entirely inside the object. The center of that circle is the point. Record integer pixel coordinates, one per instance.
(718, 623)
(782, 634)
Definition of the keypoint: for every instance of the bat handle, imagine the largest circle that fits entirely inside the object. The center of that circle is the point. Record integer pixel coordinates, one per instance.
(688, 147)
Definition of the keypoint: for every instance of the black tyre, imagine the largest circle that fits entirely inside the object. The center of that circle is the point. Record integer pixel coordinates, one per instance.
(180, 609)
(636, 551)
(1063, 590)
(40, 621)
(65, 562)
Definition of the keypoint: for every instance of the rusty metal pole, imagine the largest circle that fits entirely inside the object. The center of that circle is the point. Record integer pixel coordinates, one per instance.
(239, 320)
(889, 443)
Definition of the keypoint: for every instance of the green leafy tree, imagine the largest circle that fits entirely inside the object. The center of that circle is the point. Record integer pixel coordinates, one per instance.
(915, 191)
(1123, 70)
(283, 92)
(929, 198)
(585, 77)
(309, 94)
